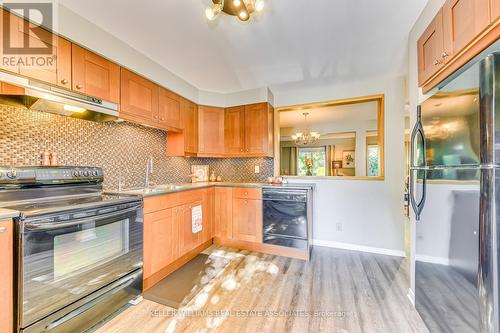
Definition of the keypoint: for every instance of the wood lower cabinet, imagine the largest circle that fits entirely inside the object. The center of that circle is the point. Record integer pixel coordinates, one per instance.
(247, 214)
(94, 75)
(7, 276)
(168, 238)
(463, 20)
(223, 217)
(160, 242)
(139, 98)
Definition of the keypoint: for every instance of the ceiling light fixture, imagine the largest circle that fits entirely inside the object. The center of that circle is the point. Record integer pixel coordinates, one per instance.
(242, 9)
(306, 137)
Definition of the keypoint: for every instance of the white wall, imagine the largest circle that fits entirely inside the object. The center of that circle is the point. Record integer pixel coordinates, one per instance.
(415, 95)
(371, 212)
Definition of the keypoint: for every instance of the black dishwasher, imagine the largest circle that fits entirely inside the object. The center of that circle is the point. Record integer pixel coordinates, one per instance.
(285, 217)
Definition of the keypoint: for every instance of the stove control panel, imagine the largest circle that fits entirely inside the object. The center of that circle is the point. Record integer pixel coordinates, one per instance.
(50, 174)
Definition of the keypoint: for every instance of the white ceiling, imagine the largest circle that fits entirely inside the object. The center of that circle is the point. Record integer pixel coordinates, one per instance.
(291, 41)
(351, 113)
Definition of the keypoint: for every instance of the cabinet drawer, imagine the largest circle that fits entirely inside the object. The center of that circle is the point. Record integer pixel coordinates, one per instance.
(247, 193)
(159, 202)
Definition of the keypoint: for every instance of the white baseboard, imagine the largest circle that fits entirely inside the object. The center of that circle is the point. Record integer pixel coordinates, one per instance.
(354, 247)
(411, 296)
(432, 260)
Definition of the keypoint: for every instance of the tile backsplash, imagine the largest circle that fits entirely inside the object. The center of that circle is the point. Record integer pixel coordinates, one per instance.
(121, 149)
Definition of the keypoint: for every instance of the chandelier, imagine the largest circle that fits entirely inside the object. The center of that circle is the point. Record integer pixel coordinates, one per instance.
(306, 137)
(240, 8)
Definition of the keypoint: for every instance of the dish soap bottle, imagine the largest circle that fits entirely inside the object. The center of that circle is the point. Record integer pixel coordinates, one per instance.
(212, 177)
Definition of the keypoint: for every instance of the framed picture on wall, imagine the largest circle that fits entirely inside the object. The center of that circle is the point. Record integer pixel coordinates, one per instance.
(348, 159)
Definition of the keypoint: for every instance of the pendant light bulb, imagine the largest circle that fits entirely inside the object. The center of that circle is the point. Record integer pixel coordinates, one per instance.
(243, 15)
(236, 3)
(259, 5)
(212, 11)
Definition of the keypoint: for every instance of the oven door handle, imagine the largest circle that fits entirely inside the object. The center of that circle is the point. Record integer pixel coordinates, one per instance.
(121, 285)
(57, 225)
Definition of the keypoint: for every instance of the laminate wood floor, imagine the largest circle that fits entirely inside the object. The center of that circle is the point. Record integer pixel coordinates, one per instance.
(337, 291)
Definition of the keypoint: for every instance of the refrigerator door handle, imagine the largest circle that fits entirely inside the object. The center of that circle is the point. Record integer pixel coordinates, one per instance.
(418, 130)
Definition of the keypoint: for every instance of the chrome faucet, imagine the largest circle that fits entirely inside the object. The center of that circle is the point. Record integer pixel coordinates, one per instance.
(149, 172)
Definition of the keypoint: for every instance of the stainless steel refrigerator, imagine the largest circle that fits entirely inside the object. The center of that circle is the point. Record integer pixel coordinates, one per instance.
(454, 178)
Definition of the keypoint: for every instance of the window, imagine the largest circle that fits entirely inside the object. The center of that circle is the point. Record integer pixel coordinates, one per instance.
(311, 161)
(373, 161)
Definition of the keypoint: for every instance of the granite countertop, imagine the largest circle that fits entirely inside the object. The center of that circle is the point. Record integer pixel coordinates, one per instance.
(180, 187)
(6, 214)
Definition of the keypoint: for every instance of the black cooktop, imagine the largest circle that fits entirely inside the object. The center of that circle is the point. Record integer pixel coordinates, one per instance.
(54, 205)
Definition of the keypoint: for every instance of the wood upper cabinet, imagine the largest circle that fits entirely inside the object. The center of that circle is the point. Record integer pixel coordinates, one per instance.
(210, 130)
(258, 129)
(234, 130)
(223, 215)
(494, 10)
(169, 109)
(94, 75)
(463, 20)
(190, 135)
(56, 69)
(160, 240)
(430, 49)
(6, 276)
(139, 98)
(249, 130)
(247, 220)
(12, 22)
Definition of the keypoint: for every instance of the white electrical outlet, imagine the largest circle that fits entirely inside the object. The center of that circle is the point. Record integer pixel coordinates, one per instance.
(339, 227)
(257, 169)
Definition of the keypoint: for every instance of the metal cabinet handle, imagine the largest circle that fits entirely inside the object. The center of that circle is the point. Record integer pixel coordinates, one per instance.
(3, 229)
(64, 81)
(444, 55)
(79, 86)
(438, 62)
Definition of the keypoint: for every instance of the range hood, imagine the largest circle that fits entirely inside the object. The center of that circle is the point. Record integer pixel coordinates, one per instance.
(39, 96)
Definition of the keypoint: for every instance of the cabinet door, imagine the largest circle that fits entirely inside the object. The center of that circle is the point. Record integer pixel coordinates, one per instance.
(159, 241)
(12, 22)
(495, 10)
(210, 130)
(247, 220)
(257, 136)
(189, 240)
(56, 68)
(190, 118)
(6, 276)
(234, 130)
(223, 215)
(139, 98)
(430, 49)
(463, 20)
(95, 76)
(169, 109)
(208, 215)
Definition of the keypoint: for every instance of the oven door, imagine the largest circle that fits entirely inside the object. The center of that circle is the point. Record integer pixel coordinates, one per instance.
(66, 257)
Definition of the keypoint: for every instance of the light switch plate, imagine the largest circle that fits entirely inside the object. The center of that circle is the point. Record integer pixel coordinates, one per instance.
(257, 169)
